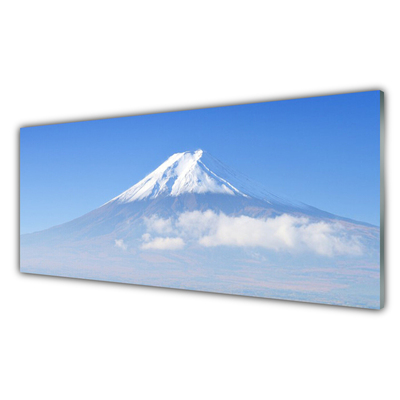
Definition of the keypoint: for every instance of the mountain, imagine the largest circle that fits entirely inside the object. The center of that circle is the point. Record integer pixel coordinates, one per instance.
(193, 180)
(194, 172)
(196, 223)
(198, 172)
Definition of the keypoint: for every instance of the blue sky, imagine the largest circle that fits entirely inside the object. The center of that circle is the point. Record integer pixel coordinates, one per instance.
(323, 151)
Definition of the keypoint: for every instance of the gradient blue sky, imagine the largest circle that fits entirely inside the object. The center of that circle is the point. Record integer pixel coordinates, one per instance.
(323, 151)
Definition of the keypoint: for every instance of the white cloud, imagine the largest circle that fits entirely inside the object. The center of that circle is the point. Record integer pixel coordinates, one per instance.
(196, 224)
(158, 225)
(168, 243)
(281, 233)
(120, 243)
(146, 237)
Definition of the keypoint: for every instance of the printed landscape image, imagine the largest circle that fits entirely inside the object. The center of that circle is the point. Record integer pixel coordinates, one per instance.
(197, 222)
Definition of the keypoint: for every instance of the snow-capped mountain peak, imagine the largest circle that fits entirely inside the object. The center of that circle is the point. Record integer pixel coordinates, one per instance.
(200, 173)
(188, 172)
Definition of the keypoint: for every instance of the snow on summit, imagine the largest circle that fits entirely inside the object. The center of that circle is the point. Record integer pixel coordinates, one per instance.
(188, 172)
(197, 172)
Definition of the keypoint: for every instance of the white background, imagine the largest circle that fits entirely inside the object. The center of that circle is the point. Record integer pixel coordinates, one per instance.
(75, 60)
